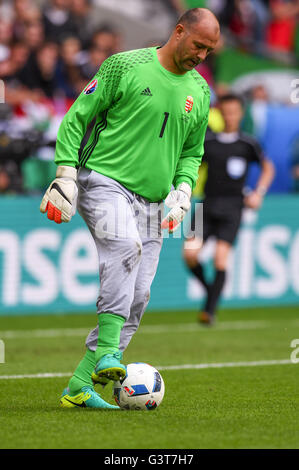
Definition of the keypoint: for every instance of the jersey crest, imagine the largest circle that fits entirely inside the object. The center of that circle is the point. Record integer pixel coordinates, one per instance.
(91, 87)
(189, 104)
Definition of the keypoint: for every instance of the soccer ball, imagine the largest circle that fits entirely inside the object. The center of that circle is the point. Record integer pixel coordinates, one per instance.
(141, 389)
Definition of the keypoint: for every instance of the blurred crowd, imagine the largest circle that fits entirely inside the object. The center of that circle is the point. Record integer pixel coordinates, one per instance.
(269, 27)
(50, 49)
(48, 53)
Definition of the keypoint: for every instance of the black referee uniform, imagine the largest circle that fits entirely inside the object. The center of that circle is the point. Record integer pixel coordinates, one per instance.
(228, 157)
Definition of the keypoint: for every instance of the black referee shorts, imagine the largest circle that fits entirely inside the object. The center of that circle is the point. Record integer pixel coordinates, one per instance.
(222, 218)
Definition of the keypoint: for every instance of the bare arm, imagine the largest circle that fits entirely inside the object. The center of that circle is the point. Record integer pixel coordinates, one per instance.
(295, 172)
(267, 175)
(255, 198)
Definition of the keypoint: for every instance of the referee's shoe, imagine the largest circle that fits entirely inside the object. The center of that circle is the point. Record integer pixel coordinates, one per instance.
(206, 319)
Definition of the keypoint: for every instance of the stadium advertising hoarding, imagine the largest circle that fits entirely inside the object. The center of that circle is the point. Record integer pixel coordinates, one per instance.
(48, 268)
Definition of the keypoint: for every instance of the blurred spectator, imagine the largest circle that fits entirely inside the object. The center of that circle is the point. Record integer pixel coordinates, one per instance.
(39, 71)
(260, 94)
(85, 19)
(262, 16)
(34, 35)
(260, 25)
(58, 20)
(107, 40)
(16, 143)
(6, 35)
(223, 9)
(6, 10)
(91, 61)
(281, 30)
(255, 116)
(25, 12)
(68, 76)
(177, 5)
(243, 21)
(104, 43)
(18, 55)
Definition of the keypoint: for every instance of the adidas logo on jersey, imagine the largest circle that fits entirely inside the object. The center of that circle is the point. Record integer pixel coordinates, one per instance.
(146, 92)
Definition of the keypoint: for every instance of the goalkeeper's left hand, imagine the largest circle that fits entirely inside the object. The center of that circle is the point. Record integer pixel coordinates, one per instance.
(179, 203)
(60, 199)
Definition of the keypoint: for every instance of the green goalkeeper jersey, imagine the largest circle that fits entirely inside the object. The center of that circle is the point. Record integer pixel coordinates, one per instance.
(149, 129)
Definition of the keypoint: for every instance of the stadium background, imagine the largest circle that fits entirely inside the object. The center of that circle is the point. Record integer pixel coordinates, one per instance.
(49, 50)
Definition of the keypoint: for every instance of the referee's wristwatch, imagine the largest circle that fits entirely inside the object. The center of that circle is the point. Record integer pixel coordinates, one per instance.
(261, 190)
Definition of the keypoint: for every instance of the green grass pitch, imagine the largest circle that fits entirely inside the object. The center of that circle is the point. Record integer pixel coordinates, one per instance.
(241, 406)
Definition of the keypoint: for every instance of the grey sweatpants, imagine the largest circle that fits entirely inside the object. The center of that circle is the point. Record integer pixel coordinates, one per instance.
(127, 234)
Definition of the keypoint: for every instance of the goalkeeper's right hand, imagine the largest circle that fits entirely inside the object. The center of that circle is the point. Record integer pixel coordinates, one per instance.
(60, 199)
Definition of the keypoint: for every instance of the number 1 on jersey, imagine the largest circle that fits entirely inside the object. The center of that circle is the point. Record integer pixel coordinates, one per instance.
(164, 124)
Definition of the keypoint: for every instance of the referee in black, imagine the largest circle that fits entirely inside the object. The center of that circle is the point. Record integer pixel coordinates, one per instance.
(228, 155)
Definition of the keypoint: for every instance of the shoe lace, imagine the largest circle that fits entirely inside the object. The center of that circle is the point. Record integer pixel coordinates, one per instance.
(118, 355)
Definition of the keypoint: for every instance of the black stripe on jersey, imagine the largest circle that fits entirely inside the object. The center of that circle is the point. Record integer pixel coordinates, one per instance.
(86, 137)
(87, 148)
(96, 139)
(100, 127)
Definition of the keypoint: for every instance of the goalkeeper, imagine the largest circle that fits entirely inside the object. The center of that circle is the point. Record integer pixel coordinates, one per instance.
(151, 110)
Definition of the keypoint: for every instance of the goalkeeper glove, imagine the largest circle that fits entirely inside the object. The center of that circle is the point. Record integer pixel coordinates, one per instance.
(60, 199)
(179, 203)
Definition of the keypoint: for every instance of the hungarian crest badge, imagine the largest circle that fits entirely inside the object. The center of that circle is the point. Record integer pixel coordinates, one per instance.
(189, 104)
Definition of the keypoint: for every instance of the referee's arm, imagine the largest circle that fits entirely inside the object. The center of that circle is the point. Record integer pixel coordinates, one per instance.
(255, 198)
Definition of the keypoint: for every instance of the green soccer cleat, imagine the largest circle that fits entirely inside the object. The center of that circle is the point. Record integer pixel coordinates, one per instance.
(100, 380)
(109, 368)
(88, 398)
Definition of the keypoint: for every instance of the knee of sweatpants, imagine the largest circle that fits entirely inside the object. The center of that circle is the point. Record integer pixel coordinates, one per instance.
(141, 299)
(131, 252)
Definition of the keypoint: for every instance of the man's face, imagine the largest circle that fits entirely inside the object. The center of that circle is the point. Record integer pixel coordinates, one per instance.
(61, 4)
(232, 113)
(193, 45)
(106, 42)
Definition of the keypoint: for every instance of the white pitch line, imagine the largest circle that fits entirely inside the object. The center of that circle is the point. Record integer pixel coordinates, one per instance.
(46, 333)
(149, 329)
(47, 375)
(194, 328)
(220, 365)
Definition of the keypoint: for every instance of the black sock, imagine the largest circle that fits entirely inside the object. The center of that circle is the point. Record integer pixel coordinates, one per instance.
(198, 272)
(214, 292)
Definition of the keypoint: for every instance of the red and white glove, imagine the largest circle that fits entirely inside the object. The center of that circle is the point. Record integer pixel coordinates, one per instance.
(179, 203)
(60, 199)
